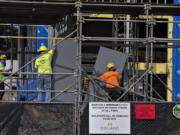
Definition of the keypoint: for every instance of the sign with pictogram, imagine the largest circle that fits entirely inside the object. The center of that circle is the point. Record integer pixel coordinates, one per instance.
(145, 111)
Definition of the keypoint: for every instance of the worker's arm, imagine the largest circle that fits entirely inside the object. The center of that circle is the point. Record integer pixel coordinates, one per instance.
(1, 68)
(54, 45)
(8, 70)
(102, 77)
(53, 48)
(119, 77)
(51, 51)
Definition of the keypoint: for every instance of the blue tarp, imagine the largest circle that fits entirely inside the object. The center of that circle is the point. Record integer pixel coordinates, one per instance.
(42, 31)
(30, 96)
(27, 96)
(176, 59)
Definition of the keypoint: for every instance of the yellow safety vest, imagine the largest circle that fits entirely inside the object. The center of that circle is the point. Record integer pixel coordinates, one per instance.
(43, 63)
(1, 68)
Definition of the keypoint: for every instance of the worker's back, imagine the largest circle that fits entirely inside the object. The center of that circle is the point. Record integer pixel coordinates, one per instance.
(43, 63)
(111, 77)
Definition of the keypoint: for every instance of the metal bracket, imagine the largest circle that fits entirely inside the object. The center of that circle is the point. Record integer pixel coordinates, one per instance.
(151, 40)
(151, 68)
(151, 21)
(82, 20)
(147, 7)
(78, 4)
(82, 37)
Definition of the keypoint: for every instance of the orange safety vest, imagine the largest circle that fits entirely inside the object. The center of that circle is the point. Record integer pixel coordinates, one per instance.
(112, 77)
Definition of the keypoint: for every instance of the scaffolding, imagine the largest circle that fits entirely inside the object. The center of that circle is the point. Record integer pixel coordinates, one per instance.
(126, 12)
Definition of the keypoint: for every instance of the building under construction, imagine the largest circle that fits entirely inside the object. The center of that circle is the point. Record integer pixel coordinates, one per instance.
(141, 37)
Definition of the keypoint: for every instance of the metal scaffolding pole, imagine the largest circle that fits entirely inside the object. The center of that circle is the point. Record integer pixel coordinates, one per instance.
(11, 55)
(136, 59)
(147, 7)
(140, 40)
(78, 66)
(55, 3)
(128, 27)
(122, 20)
(151, 58)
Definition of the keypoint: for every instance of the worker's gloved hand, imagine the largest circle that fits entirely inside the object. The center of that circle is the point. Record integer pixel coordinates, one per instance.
(53, 45)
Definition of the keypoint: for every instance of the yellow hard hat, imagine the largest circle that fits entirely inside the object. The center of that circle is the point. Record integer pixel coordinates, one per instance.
(42, 48)
(110, 65)
(3, 57)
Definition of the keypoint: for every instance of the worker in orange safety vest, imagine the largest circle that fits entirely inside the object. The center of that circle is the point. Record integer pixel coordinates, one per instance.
(112, 79)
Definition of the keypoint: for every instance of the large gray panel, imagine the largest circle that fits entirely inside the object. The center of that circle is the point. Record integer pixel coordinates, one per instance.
(106, 55)
(64, 62)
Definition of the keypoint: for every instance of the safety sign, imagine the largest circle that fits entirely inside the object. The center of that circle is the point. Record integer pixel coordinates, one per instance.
(109, 118)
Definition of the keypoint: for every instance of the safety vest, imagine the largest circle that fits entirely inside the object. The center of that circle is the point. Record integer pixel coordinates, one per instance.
(43, 63)
(2, 67)
(111, 77)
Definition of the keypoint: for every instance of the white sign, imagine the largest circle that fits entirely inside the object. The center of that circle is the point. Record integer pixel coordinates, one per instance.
(109, 118)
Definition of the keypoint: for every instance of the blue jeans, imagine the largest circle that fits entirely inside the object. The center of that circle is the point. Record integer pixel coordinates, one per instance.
(44, 84)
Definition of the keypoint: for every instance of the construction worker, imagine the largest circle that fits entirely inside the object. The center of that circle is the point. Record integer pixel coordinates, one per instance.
(3, 59)
(44, 69)
(112, 79)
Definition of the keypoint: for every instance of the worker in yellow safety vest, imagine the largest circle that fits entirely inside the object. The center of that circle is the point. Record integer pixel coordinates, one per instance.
(113, 80)
(3, 59)
(44, 69)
